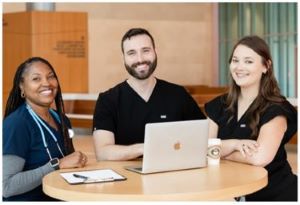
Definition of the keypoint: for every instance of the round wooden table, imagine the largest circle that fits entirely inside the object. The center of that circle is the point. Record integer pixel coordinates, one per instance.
(219, 182)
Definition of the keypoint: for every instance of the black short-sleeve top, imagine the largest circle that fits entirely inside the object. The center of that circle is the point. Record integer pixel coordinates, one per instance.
(122, 111)
(279, 171)
(216, 110)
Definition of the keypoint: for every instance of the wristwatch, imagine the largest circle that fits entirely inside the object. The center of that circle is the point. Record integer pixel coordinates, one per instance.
(54, 163)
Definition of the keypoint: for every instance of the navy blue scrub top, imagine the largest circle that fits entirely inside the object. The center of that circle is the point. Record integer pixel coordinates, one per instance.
(22, 137)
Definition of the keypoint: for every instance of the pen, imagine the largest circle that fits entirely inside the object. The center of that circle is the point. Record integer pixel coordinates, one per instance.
(86, 178)
(81, 176)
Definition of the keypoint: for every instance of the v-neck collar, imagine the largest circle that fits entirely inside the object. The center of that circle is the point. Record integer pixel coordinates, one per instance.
(244, 114)
(140, 97)
(48, 125)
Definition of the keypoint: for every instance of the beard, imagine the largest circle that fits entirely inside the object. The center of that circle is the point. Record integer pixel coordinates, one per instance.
(142, 75)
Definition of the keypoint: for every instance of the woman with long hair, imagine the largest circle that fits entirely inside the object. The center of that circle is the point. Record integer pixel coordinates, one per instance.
(36, 140)
(254, 121)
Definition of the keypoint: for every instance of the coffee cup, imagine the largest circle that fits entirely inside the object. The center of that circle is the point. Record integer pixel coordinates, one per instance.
(214, 151)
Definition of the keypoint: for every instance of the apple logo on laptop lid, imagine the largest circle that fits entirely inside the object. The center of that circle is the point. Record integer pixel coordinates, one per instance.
(177, 145)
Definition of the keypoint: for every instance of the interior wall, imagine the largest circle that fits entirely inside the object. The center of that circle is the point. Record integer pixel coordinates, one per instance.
(183, 33)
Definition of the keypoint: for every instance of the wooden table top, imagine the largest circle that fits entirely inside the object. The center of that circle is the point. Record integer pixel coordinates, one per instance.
(218, 182)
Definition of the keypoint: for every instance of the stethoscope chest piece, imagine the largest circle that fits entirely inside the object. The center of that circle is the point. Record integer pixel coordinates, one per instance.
(71, 133)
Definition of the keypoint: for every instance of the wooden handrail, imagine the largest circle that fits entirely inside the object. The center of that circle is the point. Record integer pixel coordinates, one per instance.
(204, 89)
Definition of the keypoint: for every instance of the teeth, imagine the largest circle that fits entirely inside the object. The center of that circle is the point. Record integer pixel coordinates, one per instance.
(142, 66)
(46, 92)
(240, 75)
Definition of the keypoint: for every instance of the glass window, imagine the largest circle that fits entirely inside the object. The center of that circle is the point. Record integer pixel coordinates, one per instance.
(274, 22)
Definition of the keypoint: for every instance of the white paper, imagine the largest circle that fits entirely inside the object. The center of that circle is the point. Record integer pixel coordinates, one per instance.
(101, 175)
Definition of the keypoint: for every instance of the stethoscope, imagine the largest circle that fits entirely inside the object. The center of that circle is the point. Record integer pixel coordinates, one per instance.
(40, 123)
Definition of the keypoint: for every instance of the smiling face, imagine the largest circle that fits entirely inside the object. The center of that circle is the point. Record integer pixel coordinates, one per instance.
(246, 67)
(39, 85)
(139, 56)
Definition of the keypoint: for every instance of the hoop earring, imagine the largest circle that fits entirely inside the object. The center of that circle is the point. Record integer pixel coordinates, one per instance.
(22, 94)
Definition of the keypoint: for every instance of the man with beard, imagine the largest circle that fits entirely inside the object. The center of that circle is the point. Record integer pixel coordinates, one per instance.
(122, 112)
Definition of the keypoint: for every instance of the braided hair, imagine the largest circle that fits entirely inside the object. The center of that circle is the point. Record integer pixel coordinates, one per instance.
(15, 100)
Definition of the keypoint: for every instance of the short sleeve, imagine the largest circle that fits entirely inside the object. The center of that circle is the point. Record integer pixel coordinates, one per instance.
(103, 115)
(16, 137)
(286, 110)
(214, 109)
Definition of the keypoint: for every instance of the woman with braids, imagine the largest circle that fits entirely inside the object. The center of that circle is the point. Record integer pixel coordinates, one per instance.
(35, 137)
(254, 121)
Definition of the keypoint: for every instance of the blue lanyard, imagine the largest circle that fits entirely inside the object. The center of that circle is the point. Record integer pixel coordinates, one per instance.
(40, 123)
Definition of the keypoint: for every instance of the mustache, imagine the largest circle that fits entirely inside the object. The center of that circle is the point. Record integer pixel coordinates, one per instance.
(140, 63)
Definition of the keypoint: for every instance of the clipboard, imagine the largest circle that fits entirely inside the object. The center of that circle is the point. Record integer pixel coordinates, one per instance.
(92, 176)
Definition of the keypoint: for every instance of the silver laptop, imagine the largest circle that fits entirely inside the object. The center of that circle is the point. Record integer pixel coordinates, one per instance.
(172, 146)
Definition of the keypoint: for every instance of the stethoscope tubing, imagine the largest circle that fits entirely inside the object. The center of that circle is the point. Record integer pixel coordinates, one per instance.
(40, 123)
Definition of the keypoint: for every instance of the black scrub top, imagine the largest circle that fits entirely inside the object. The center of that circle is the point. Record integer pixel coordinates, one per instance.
(282, 183)
(122, 111)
